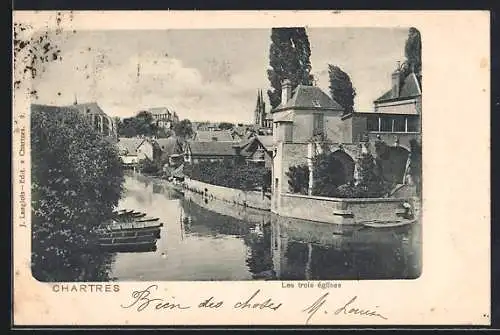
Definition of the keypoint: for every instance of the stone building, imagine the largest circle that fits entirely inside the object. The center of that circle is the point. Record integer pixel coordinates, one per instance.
(103, 123)
(163, 117)
(308, 120)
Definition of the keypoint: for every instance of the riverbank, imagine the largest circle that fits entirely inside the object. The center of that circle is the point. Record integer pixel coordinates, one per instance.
(252, 199)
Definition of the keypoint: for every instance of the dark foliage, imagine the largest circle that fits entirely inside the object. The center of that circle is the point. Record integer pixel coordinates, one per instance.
(341, 88)
(76, 182)
(298, 179)
(229, 173)
(289, 55)
(140, 125)
(183, 129)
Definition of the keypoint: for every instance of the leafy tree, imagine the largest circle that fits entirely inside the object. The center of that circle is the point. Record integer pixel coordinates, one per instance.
(289, 55)
(226, 125)
(183, 129)
(76, 182)
(298, 179)
(413, 51)
(370, 181)
(328, 174)
(141, 124)
(341, 89)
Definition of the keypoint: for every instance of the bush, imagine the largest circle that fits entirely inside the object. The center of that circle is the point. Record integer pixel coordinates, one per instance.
(298, 179)
(229, 173)
(77, 180)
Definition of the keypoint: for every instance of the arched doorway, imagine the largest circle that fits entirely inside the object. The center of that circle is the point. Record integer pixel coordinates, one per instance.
(393, 163)
(346, 166)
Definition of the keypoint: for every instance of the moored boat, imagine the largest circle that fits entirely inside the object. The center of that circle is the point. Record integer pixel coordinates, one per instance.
(387, 224)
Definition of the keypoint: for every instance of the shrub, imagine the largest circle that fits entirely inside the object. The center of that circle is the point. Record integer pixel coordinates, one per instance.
(77, 180)
(229, 173)
(298, 179)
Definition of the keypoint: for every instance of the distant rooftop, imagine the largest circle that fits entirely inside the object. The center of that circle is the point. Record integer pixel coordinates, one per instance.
(410, 88)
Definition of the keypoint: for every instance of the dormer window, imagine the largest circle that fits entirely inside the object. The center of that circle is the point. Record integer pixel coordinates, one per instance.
(316, 103)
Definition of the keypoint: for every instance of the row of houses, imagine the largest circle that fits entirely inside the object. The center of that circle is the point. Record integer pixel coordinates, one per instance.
(256, 149)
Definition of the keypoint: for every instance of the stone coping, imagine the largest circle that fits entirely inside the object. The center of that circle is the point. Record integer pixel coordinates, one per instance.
(351, 200)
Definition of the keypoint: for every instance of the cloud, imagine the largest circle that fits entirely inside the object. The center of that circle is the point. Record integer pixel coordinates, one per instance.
(123, 87)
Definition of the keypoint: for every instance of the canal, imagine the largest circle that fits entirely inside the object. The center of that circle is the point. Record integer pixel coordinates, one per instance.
(206, 239)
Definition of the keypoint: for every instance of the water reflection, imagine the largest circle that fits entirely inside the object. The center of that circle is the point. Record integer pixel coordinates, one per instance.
(206, 239)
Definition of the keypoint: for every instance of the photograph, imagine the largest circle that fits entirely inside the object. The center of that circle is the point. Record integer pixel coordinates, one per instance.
(287, 153)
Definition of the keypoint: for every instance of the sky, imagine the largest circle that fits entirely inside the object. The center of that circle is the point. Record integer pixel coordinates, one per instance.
(211, 75)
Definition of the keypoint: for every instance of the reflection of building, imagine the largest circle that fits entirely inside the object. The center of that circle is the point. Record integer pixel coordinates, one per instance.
(101, 122)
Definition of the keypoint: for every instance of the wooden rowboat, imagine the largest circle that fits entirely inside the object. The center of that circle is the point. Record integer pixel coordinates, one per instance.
(387, 224)
(148, 220)
(129, 247)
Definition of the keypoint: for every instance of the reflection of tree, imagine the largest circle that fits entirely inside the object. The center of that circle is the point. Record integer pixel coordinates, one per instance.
(259, 259)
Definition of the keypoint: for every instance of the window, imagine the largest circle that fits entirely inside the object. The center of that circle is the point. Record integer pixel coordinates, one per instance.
(399, 123)
(372, 123)
(413, 123)
(318, 124)
(385, 123)
(316, 103)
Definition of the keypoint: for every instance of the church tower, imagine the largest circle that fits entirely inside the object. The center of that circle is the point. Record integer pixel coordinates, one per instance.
(260, 110)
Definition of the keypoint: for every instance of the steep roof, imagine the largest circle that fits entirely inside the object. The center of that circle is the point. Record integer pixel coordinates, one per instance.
(128, 146)
(409, 89)
(214, 136)
(211, 148)
(310, 97)
(267, 141)
(169, 145)
(89, 108)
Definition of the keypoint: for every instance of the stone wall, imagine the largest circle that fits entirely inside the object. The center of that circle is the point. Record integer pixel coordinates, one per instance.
(252, 199)
(341, 211)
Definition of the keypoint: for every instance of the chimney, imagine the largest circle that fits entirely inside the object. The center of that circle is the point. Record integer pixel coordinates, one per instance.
(396, 81)
(286, 91)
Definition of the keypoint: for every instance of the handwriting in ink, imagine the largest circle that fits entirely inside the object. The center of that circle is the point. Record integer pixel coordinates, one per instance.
(347, 309)
(141, 300)
(253, 303)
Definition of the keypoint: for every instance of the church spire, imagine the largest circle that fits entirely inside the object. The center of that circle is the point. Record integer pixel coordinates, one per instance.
(76, 101)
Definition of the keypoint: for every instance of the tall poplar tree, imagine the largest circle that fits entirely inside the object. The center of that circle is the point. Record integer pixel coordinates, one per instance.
(341, 89)
(289, 55)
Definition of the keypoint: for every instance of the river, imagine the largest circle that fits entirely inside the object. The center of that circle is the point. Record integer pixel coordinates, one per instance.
(206, 239)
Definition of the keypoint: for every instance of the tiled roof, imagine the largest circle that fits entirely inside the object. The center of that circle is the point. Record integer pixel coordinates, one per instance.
(212, 148)
(215, 135)
(128, 146)
(286, 116)
(310, 97)
(169, 145)
(89, 108)
(410, 88)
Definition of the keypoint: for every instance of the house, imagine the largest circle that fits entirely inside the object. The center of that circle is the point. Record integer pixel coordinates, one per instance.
(307, 113)
(258, 149)
(196, 152)
(133, 150)
(101, 122)
(127, 148)
(396, 113)
(172, 150)
(213, 136)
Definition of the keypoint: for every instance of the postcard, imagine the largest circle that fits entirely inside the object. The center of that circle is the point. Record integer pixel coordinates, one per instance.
(251, 168)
